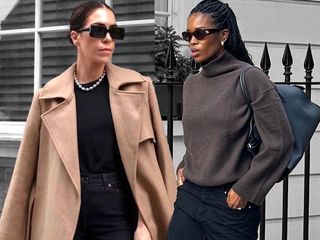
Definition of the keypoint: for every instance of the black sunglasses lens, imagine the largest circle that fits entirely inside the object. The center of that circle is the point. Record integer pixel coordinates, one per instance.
(117, 33)
(186, 36)
(101, 32)
(98, 31)
(200, 34)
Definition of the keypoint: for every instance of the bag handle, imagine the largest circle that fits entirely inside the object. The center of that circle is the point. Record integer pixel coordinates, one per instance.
(253, 140)
(243, 85)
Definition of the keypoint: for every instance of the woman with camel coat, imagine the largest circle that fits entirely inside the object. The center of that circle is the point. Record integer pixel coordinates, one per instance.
(49, 197)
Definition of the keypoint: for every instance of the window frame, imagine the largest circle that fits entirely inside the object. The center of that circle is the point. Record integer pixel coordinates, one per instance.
(168, 13)
(13, 130)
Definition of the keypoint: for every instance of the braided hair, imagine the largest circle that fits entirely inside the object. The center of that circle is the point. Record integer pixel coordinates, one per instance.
(224, 18)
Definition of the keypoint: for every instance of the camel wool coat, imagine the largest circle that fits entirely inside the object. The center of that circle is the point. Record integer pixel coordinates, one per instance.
(43, 200)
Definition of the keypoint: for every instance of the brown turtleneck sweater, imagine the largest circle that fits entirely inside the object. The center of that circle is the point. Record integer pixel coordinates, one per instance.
(215, 123)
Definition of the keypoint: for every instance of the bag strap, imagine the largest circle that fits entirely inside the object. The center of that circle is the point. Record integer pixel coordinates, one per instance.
(243, 85)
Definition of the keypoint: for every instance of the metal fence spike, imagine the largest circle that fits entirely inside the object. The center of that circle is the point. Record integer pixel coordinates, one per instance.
(308, 62)
(265, 62)
(171, 57)
(287, 57)
(287, 62)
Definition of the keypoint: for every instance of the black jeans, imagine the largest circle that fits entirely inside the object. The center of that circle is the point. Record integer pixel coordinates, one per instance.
(202, 213)
(108, 210)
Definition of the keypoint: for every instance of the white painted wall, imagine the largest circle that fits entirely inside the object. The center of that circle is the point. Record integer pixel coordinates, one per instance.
(276, 22)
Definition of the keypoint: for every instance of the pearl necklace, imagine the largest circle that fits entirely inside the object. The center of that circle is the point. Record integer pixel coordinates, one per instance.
(91, 87)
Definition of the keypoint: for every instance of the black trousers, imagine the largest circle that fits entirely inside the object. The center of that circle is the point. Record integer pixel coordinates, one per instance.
(202, 213)
(108, 210)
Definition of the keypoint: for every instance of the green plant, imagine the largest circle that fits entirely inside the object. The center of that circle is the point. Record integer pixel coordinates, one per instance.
(163, 34)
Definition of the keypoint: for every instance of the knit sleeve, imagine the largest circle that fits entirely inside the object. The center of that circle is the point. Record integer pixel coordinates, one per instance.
(277, 140)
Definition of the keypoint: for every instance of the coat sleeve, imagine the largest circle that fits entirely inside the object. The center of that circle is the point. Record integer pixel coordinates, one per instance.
(162, 147)
(16, 212)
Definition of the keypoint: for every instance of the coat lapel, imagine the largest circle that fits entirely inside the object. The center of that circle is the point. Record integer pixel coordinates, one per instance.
(61, 122)
(126, 102)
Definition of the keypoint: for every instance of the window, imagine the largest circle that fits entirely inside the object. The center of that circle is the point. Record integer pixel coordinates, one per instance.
(162, 13)
(34, 48)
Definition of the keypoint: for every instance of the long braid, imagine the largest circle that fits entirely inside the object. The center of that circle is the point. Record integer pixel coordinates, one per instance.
(224, 18)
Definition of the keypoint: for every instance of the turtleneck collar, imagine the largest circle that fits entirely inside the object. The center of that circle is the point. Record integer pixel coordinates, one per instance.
(223, 64)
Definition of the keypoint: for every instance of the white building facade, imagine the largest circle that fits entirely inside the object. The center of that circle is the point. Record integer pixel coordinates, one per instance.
(275, 22)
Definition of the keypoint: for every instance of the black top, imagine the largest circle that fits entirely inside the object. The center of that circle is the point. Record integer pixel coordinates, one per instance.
(97, 143)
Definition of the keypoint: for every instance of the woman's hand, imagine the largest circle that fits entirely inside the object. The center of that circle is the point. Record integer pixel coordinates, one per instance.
(142, 232)
(235, 201)
(180, 177)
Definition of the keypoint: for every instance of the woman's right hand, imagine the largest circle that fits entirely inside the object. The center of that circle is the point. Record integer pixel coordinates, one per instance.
(180, 177)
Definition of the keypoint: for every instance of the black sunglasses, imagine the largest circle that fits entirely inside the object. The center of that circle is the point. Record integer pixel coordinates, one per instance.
(199, 33)
(98, 31)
